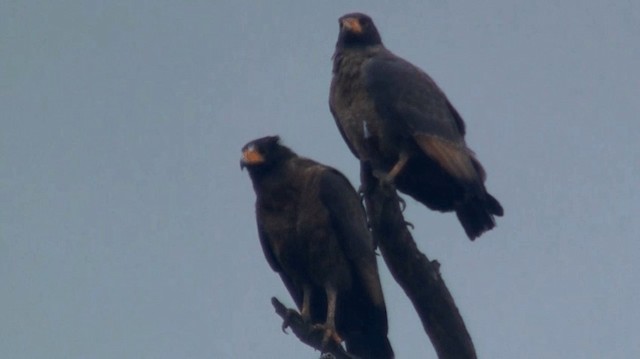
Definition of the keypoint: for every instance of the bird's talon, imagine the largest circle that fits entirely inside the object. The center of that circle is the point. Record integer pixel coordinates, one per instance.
(403, 205)
(379, 174)
(329, 334)
(383, 178)
(287, 320)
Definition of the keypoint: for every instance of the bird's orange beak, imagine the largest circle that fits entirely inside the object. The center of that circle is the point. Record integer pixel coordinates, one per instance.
(250, 156)
(352, 24)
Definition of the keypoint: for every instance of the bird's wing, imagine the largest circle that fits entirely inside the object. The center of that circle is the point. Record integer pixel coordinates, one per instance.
(295, 291)
(411, 101)
(405, 94)
(350, 225)
(266, 247)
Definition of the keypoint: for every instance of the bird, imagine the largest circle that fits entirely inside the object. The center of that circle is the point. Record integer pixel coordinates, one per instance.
(313, 232)
(393, 116)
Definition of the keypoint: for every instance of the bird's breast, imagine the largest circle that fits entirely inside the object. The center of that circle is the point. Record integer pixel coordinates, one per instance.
(352, 109)
(373, 137)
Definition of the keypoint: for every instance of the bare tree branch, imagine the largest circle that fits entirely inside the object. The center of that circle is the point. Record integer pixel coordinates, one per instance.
(307, 333)
(419, 278)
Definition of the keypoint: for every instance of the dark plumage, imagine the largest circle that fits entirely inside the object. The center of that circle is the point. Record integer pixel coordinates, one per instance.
(313, 232)
(394, 116)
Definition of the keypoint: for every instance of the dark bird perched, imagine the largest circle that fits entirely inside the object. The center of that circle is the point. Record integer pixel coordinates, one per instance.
(394, 116)
(313, 232)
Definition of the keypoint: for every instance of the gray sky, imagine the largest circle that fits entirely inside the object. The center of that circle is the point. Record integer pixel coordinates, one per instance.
(127, 228)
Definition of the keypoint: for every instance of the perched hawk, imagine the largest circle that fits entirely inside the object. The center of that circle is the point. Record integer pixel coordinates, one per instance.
(313, 232)
(394, 116)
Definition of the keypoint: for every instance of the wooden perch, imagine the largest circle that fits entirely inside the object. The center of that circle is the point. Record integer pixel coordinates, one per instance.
(419, 278)
(307, 333)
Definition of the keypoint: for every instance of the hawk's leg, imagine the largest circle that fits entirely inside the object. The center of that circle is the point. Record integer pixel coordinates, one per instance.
(402, 161)
(388, 177)
(305, 312)
(329, 326)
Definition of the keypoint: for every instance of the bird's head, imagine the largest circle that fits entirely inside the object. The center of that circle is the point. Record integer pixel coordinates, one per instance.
(357, 30)
(263, 153)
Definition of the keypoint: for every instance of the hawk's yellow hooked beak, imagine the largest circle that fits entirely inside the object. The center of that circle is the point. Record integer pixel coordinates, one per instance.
(250, 156)
(352, 24)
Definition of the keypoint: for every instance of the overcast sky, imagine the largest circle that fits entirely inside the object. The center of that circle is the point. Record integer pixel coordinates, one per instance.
(128, 230)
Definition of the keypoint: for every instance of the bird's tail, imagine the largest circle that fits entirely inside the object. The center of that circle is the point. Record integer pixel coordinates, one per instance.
(370, 346)
(476, 215)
